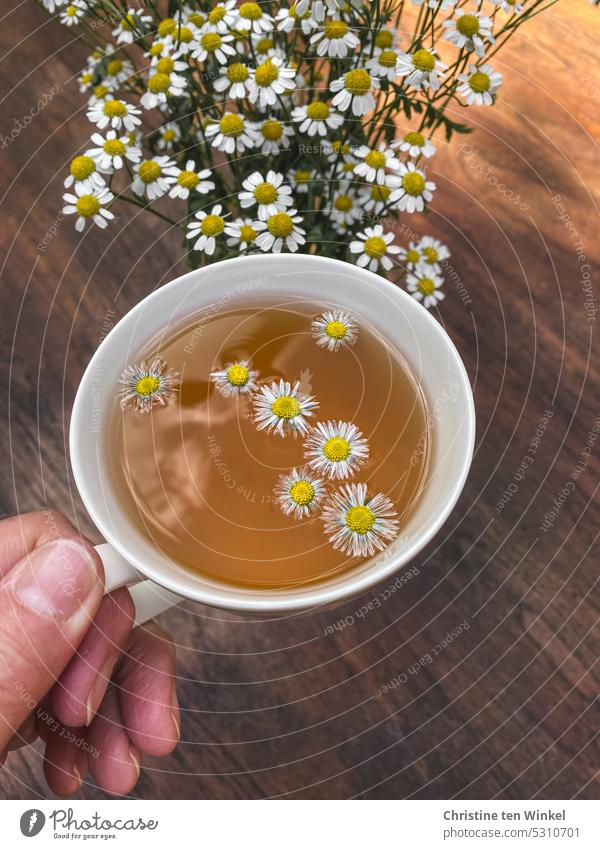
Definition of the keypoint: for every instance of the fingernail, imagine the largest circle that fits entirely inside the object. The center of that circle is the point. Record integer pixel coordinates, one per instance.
(98, 690)
(135, 760)
(56, 579)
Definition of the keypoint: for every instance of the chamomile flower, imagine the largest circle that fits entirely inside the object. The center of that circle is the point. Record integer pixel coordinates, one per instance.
(252, 17)
(182, 39)
(359, 525)
(242, 233)
(469, 30)
(282, 408)
(89, 204)
(268, 192)
(153, 177)
(235, 379)
(415, 144)
(374, 162)
(131, 26)
(442, 5)
(301, 179)
(114, 113)
(512, 6)
(222, 17)
(234, 80)
(145, 385)
(289, 19)
(411, 257)
(432, 252)
(424, 285)
(112, 151)
(377, 198)
(168, 134)
(344, 209)
(336, 449)
(270, 79)
(52, 5)
(85, 81)
(213, 44)
(374, 247)
(334, 328)
(117, 71)
(231, 133)
(414, 189)
(383, 64)
(318, 8)
(421, 69)
(83, 171)
(479, 86)
(100, 94)
(334, 38)
(355, 90)
(385, 39)
(73, 13)
(279, 230)
(188, 180)
(316, 118)
(300, 492)
(206, 229)
(273, 136)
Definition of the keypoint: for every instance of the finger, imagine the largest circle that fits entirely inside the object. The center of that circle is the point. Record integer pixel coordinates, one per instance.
(65, 763)
(21, 534)
(145, 679)
(81, 688)
(116, 762)
(26, 734)
(47, 603)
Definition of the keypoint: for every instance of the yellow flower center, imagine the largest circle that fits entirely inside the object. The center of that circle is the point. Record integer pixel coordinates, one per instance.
(317, 111)
(100, 91)
(336, 329)
(265, 193)
(97, 54)
(430, 254)
(266, 73)
(302, 176)
(86, 78)
(413, 183)
(264, 45)
(380, 193)
(149, 171)
(114, 109)
(387, 58)
(384, 39)
(88, 205)
(196, 18)
(302, 493)
(468, 25)
(416, 139)
(272, 129)
(231, 125)
(285, 407)
(128, 23)
(185, 35)
(166, 27)
(188, 179)
(237, 73)
(358, 81)
(217, 14)
(212, 225)
(250, 11)
(82, 167)
(247, 233)
(426, 286)
(360, 519)
(423, 60)
(165, 65)
(114, 67)
(158, 83)
(343, 203)
(157, 48)
(237, 375)
(168, 135)
(114, 147)
(147, 385)
(412, 255)
(280, 225)
(336, 449)
(375, 247)
(335, 29)
(71, 11)
(375, 159)
(211, 41)
(479, 82)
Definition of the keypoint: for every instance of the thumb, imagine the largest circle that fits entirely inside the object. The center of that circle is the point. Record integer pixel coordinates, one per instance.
(47, 603)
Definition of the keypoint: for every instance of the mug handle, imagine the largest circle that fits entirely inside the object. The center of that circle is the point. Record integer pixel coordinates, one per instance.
(149, 598)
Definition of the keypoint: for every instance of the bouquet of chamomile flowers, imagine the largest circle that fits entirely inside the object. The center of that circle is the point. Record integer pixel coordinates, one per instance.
(280, 126)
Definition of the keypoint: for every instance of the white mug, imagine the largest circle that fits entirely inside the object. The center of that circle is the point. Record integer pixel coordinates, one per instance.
(130, 558)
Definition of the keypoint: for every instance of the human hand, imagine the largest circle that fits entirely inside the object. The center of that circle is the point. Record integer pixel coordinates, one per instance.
(72, 670)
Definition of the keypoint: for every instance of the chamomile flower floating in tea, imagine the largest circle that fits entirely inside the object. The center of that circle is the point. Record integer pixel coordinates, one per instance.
(300, 492)
(359, 525)
(336, 449)
(235, 379)
(282, 408)
(334, 328)
(146, 385)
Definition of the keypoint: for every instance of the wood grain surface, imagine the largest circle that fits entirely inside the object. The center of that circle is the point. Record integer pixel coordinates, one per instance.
(283, 708)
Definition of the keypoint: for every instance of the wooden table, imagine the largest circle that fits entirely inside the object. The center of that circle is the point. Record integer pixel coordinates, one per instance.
(282, 708)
